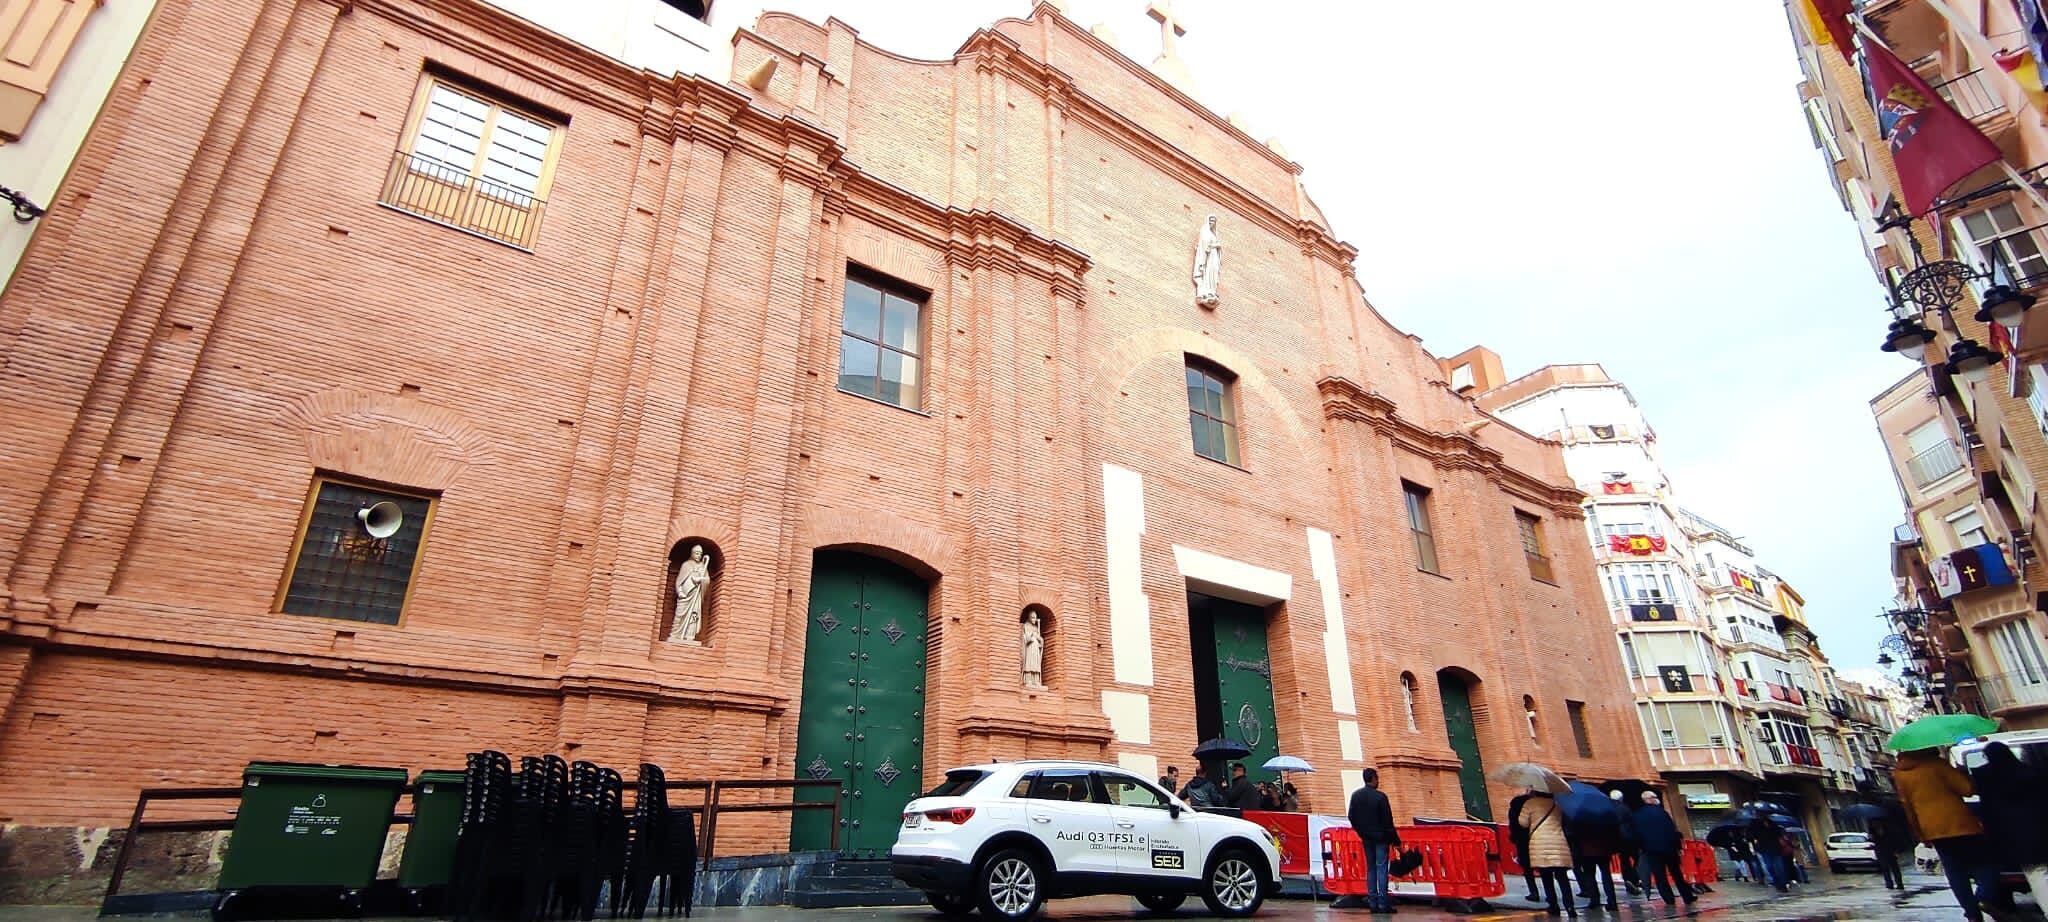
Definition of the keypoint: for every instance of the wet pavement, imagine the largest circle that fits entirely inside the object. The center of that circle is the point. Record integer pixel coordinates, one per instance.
(1837, 898)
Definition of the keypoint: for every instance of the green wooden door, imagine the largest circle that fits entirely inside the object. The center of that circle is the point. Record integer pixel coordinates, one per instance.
(1464, 738)
(1244, 680)
(862, 716)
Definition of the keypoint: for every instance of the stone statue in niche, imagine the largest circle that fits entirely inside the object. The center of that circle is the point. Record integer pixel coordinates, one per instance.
(693, 580)
(1208, 263)
(1034, 652)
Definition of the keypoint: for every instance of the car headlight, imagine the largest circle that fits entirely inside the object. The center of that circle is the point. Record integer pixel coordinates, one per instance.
(1271, 839)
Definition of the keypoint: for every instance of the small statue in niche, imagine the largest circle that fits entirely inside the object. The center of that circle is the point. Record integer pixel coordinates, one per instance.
(1034, 652)
(1208, 263)
(693, 580)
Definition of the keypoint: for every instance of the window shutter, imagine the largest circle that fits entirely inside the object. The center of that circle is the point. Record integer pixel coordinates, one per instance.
(35, 37)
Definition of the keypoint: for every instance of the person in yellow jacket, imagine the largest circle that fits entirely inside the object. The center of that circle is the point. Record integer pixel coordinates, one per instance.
(1932, 791)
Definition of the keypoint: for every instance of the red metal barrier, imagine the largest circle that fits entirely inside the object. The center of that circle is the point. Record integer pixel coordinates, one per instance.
(1699, 863)
(1455, 861)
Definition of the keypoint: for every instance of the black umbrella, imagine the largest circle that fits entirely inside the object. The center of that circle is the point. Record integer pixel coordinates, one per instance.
(1724, 835)
(1863, 812)
(1222, 748)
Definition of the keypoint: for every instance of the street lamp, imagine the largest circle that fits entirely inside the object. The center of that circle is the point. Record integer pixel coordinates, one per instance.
(1939, 286)
(2003, 304)
(1908, 337)
(1970, 361)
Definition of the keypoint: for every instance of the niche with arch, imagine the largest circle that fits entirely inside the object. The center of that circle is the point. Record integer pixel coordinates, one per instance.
(707, 623)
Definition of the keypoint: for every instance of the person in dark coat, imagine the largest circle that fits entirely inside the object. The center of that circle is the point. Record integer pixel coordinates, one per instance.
(1171, 780)
(1241, 793)
(1372, 818)
(1519, 837)
(1594, 846)
(1888, 840)
(2013, 800)
(1661, 842)
(1767, 840)
(1201, 793)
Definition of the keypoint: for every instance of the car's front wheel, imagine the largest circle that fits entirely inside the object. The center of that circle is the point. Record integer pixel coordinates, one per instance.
(1162, 900)
(1010, 885)
(954, 905)
(1235, 886)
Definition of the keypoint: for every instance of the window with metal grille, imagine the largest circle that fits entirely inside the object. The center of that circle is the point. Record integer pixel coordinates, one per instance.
(343, 565)
(1212, 411)
(1576, 711)
(1417, 499)
(881, 340)
(1531, 529)
(474, 163)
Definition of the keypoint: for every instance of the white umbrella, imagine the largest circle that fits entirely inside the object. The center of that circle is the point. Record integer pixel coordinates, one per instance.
(1532, 776)
(1287, 764)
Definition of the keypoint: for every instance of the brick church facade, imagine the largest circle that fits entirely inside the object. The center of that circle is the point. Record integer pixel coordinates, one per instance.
(909, 348)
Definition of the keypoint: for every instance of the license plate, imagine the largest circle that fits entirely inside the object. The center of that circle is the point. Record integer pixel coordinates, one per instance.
(909, 820)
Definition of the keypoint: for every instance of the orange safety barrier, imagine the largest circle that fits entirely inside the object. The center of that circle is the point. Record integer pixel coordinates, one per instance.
(1699, 863)
(1455, 861)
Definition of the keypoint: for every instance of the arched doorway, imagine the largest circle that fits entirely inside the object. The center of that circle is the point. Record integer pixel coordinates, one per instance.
(861, 720)
(1455, 687)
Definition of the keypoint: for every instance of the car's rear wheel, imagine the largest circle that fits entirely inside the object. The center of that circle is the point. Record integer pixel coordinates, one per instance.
(1835, 866)
(1235, 886)
(1010, 885)
(1162, 900)
(955, 905)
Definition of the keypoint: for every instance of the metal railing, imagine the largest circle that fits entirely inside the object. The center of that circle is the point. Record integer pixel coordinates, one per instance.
(1934, 463)
(711, 791)
(2014, 690)
(2017, 258)
(1970, 96)
(447, 193)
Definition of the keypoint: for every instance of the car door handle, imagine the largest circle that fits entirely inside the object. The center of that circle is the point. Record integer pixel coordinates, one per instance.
(1127, 825)
(1040, 819)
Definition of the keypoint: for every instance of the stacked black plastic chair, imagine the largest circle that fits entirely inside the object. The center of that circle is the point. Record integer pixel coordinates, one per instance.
(679, 863)
(486, 794)
(647, 842)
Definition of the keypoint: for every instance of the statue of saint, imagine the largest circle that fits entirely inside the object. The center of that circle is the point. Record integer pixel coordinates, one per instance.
(1034, 652)
(693, 580)
(1208, 263)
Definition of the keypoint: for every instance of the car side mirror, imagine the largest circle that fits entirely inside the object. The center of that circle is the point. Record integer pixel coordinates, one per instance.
(1173, 810)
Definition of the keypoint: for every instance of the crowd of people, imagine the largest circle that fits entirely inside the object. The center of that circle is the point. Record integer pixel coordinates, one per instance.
(1241, 793)
(1554, 849)
(2006, 828)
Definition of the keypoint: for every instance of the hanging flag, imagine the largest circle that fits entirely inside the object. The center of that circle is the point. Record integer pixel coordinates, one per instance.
(2036, 24)
(2020, 63)
(1827, 21)
(1676, 679)
(1618, 486)
(1970, 569)
(1653, 611)
(1933, 146)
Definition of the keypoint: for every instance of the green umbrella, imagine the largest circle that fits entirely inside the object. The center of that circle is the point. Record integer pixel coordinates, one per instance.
(1938, 730)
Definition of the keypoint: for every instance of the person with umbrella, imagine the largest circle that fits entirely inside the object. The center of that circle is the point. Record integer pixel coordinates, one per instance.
(1541, 820)
(1887, 839)
(1594, 825)
(1932, 791)
(1773, 852)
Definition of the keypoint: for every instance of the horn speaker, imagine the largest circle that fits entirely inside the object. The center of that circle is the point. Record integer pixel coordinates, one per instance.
(382, 519)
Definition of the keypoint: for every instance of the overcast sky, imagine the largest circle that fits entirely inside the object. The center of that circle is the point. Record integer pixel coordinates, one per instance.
(1607, 181)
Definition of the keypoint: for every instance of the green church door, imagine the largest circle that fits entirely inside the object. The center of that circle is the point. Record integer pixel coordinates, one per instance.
(862, 716)
(1464, 737)
(1234, 678)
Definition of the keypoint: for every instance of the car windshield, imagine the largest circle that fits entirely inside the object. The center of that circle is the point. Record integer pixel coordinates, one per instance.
(1848, 838)
(958, 781)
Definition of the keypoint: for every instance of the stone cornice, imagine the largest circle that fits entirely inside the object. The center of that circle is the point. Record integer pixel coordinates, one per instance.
(1068, 730)
(523, 48)
(990, 50)
(1344, 399)
(968, 238)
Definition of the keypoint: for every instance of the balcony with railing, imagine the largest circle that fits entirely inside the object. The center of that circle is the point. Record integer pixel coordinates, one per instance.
(450, 195)
(2014, 692)
(1973, 97)
(1934, 464)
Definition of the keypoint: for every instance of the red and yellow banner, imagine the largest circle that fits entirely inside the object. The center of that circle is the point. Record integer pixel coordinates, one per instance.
(1636, 544)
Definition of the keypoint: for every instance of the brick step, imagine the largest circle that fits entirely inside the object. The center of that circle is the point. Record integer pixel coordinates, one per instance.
(839, 899)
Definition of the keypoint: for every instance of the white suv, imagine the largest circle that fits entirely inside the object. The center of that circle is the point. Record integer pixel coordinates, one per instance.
(1005, 837)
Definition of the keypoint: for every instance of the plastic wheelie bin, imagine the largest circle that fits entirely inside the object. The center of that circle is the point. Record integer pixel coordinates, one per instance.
(429, 859)
(307, 838)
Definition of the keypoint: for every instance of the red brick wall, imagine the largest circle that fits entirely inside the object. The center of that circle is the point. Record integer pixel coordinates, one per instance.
(218, 307)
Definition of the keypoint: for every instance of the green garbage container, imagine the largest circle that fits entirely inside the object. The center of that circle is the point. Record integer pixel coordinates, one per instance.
(312, 829)
(429, 858)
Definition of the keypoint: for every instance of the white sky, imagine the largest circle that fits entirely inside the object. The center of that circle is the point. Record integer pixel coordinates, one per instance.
(1611, 181)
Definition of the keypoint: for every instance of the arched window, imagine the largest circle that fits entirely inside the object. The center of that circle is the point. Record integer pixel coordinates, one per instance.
(1212, 410)
(1529, 714)
(1408, 698)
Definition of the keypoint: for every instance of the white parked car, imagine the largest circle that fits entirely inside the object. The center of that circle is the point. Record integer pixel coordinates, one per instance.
(1850, 849)
(1004, 838)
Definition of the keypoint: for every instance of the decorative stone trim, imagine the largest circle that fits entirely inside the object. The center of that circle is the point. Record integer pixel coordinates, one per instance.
(1344, 399)
(386, 438)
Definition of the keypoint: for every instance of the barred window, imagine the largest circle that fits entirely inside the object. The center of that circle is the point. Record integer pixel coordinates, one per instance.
(1531, 529)
(357, 549)
(475, 163)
